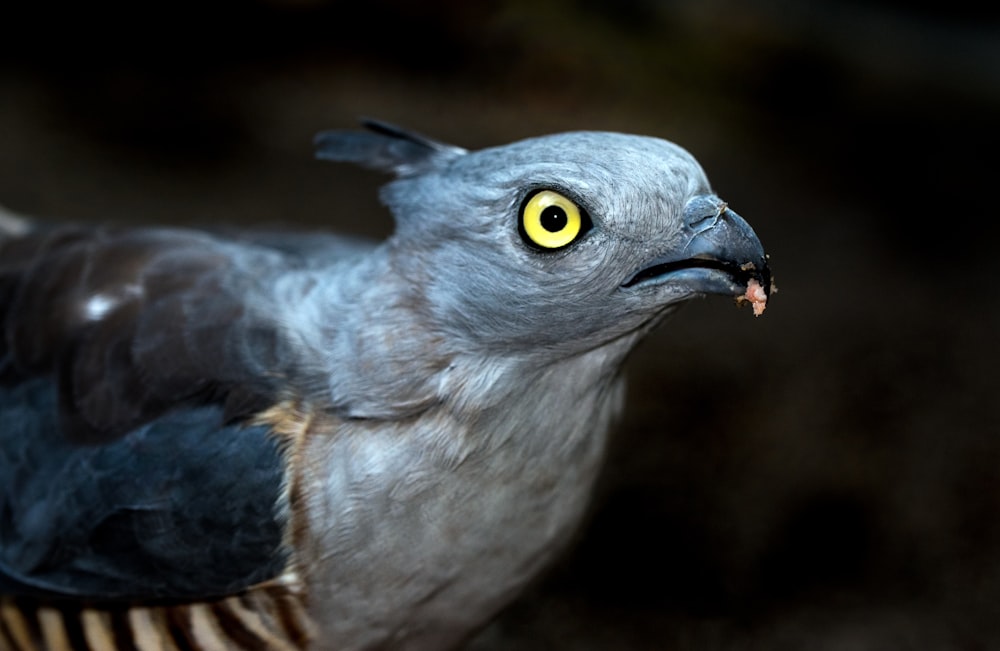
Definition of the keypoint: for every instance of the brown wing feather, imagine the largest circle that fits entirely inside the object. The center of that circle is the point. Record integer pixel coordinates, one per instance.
(130, 321)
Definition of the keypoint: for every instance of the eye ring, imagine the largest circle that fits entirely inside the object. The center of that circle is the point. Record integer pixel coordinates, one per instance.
(551, 221)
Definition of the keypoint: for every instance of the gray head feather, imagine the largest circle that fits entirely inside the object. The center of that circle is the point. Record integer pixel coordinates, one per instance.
(458, 226)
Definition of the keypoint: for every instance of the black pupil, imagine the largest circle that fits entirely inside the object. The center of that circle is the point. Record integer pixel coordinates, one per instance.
(553, 219)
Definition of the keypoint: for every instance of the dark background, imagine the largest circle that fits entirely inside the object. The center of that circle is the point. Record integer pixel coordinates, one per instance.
(824, 477)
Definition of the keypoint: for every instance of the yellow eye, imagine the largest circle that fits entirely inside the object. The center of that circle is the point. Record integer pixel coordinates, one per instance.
(551, 221)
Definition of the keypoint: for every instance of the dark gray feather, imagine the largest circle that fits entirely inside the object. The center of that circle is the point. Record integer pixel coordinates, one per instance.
(182, 507)
(384, 147)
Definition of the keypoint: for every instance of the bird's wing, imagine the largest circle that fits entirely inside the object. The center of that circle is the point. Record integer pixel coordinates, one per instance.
(183, 507)
(130, 364)
(131, 323)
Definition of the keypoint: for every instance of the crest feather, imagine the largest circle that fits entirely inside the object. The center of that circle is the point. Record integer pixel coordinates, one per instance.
(385, 147)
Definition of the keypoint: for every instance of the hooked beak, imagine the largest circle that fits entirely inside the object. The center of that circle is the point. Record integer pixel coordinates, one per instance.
(723, 254)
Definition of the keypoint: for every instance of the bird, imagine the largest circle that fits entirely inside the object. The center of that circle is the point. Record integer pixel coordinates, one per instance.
(239, 439)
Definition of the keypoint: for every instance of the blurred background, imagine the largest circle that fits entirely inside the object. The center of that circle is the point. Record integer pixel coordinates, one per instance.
(824, 477)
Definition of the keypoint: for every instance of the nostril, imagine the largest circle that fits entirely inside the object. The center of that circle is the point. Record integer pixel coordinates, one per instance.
(703, 223)
(703, 212)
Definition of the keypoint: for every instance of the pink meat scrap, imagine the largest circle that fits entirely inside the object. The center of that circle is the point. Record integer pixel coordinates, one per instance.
(756, 295)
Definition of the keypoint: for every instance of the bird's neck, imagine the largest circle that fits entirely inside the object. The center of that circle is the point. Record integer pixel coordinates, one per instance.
(362, 338)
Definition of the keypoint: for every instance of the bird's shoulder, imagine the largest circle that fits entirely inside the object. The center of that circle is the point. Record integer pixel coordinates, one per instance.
(130, 322)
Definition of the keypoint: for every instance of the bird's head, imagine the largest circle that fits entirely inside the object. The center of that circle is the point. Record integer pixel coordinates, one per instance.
(560, 243)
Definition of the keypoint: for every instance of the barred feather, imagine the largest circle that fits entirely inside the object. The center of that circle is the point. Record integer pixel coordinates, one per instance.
(271, 618)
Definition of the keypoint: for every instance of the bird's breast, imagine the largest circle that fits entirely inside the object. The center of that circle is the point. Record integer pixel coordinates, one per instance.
(416, 531)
